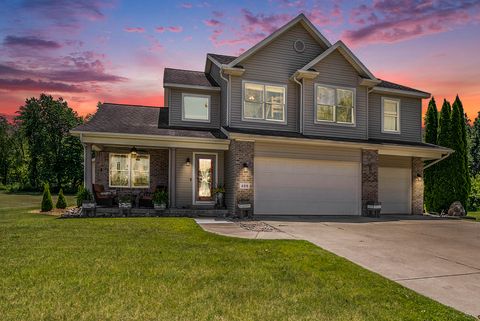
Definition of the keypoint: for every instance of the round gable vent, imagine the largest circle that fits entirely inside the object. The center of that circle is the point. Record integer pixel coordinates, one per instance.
(299, 46)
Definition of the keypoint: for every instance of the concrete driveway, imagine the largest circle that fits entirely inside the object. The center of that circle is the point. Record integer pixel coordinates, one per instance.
(439, 258)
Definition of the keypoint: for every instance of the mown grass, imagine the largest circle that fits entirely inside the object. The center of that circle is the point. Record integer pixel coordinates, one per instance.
(474, 214)
(170, 269)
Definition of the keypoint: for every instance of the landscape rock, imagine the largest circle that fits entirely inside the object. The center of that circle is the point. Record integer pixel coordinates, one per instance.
(72, 212)
(456, 209)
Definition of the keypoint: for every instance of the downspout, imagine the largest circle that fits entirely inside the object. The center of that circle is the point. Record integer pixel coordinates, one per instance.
(228, 94)
(301, 102)
(438, 160)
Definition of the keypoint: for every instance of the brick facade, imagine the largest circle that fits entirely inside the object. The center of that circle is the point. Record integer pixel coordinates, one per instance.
(417, 186)
(369, 178)
(158, 170)
(240, 153)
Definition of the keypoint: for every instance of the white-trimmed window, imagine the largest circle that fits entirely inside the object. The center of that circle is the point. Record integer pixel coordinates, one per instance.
(127, 170)
(196, 107)
(390, 115)
(334, 105)
(264, 102)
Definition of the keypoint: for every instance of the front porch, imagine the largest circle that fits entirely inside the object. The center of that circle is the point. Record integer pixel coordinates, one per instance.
(120, 172)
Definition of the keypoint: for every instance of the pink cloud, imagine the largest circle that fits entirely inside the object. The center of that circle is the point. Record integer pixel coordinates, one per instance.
(175, 29)
(134, 29)
(387, 22)
(211, 22)
(160, 29)
(186, 5)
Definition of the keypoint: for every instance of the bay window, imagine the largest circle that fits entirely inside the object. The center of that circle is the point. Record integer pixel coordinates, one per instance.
(264, 102)
(127, 170)
(334, 105)
(390, 115)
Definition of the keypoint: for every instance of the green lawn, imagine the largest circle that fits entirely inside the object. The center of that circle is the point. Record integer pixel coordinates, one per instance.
(170, 269)
(474, 214)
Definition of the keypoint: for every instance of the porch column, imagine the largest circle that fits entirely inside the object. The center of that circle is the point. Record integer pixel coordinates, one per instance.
(87, 166)
(369, 178)
(172, 176)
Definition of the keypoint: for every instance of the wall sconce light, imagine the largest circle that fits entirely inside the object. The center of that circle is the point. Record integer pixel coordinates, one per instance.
(133, 151)
(245, 166)
(419, 178)
(187, 162)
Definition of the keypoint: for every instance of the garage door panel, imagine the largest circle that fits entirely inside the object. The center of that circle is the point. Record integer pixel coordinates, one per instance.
(394, 190)
(306, 187)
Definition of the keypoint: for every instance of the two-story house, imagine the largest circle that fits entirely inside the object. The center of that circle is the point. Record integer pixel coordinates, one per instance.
(293, 126)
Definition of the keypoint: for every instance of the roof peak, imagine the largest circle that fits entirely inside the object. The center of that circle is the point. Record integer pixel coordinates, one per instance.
(131, 105)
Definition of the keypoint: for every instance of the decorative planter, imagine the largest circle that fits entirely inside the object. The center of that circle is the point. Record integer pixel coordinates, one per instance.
(160, 206)
(219, 200)
(88, 204)
(126, 205)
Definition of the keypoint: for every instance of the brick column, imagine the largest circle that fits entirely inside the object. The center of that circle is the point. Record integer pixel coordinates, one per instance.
(417, 186)
(241, 153)
(87, 166)
(369, 178)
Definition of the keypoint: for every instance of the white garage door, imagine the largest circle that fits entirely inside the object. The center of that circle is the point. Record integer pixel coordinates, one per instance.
(394, 190)
(306, 187)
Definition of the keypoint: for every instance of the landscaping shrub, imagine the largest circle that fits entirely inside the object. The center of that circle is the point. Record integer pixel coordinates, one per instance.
(474, 197)
(83, 194)
(47, 203)
(61, 201)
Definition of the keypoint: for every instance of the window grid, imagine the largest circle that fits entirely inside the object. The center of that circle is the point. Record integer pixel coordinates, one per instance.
(131, 173)
(267, 109)
(337, 103)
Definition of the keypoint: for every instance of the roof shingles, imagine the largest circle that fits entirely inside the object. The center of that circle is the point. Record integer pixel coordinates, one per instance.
(188, 77)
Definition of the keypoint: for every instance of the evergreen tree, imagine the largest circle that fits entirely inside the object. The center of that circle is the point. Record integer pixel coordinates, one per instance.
(442, 193)
(61, 201)
(459, 172)
(464, 127)
(47, 203)
(431, 125)
(475, 146)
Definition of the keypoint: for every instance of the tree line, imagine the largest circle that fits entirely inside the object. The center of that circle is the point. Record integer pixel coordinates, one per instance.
(36, 148)
(456, 178)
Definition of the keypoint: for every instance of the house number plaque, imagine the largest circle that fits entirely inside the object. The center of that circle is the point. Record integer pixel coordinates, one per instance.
(244, 185)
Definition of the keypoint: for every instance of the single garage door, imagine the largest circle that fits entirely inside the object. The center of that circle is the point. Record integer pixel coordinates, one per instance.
(394, 190)
(287, 186)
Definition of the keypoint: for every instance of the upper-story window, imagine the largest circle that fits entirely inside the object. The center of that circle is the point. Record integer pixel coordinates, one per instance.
(196, 107)
(335, 105)
(264, 102)
(390, 115)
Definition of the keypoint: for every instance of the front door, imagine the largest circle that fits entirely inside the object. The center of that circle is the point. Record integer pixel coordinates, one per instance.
(205, 177)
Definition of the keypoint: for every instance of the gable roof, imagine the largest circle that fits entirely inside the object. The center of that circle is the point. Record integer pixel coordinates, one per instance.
(349, 56)
(391, 85)
(222, 59)
(298, 19)
(188, 77)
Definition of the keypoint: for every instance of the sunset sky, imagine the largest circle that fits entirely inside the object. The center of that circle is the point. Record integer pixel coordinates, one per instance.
(115, 51)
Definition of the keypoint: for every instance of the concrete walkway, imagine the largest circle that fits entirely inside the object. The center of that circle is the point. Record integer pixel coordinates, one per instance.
(439, 258)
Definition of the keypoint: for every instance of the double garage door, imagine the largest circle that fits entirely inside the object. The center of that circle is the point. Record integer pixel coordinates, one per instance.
(327, 182)
(287, 186)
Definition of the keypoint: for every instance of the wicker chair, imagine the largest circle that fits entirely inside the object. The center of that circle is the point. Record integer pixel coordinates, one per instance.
(102, 197)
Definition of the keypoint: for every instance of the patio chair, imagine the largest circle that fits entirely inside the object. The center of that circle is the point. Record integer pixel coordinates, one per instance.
(103, 197)
(146, 198)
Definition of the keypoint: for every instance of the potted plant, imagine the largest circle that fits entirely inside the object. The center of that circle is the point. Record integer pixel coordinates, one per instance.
(219, 193)
(160, 199)
(125, 201)
(85, 198)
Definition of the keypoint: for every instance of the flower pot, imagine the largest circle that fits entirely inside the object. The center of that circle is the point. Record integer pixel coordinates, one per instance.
(88, 204)
(159, 206)
(219, 199)
(125, 205)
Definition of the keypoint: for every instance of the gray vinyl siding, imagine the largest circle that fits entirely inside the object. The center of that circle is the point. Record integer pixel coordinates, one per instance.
(410, 118)
(394, 161)
(336, 71)
(215, 73)
(275, 64)
(175, 110)
(298, 151)
(184, 186)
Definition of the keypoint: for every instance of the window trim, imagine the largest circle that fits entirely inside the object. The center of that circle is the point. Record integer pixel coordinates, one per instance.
(194, 181)
(209, 97)
(264, 119)
(335, 122)
(130, 170)
(386, 131)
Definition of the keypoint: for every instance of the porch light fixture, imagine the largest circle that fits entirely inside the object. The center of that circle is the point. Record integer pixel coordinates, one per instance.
(419, 178)
(187, 162)
(245, 166)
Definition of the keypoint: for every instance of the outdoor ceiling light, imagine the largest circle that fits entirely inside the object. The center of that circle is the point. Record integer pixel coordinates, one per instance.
(133, 151)
(187, 162)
